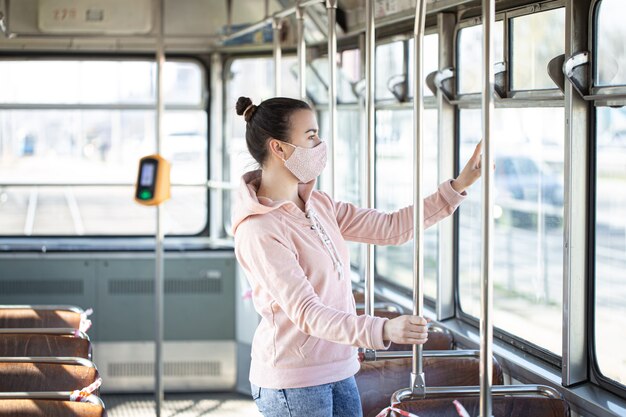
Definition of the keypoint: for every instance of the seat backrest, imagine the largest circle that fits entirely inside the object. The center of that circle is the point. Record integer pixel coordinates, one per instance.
(34, 377)
(49, 408)
(377, 381)
(535, 406)
(37, 345)
(15, 318)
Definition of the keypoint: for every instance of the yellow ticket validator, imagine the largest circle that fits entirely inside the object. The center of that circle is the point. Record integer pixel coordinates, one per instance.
(153, 181)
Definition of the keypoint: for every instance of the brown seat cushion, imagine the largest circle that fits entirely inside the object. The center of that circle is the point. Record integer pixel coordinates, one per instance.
(502, 406)
(37, 345)
(377, 381)
(16, 318)
(49, 408)
(33, 377)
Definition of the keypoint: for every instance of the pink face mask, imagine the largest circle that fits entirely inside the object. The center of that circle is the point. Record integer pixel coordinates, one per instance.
(307, 163)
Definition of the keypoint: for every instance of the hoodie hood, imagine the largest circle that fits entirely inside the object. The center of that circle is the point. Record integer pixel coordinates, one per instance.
(248, 204)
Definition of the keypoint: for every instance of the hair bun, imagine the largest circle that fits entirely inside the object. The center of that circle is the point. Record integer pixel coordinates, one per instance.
(245, 108)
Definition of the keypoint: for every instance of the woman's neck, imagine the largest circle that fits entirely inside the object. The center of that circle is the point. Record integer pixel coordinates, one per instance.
(279, 187)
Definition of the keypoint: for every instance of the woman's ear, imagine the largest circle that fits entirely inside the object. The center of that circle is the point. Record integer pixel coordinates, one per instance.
(277, 148)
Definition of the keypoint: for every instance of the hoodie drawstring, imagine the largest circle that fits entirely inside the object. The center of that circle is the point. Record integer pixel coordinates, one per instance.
(328, 243)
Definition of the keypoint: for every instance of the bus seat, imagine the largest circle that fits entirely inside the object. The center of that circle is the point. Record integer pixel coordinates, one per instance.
(439, 338)
(12, 318)
(377, 381)
(39, 376)
(49, 408)
(37, 345)
(510, 406)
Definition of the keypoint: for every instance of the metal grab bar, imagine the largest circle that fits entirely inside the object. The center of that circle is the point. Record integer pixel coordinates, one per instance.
(268, 20)
(48, 395)
(73, 309)
(47, 331)
(374, 355)
(50, 360)
(407, 394)
(418, 382)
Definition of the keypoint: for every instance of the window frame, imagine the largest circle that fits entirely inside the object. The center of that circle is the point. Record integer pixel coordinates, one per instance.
(514, 99)
(204, 105)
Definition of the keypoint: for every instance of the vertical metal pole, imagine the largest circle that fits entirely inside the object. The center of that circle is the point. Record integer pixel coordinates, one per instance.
(418, 383)
(370, 152)
(276, 27)
(158, 278)
(486, 301)
(301, 52)
(575, 215)
(217, 146)
(446, 115)
(331, 8)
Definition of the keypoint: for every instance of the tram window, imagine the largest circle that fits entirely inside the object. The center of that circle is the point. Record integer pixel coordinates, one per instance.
(469, 54)
(77, 145)
(536, 39)
(610, 242)
(318, 81)
(394, 190)
(610, 43)
(98, 82)
(348, 151)
(528, 267)
(258, 84)
(431, 60)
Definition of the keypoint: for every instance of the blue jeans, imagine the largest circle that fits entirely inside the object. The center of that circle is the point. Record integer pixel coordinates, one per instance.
(337, 399)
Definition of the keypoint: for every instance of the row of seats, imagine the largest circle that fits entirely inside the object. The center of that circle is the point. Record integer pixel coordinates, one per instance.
(377, 381)
(45, 363)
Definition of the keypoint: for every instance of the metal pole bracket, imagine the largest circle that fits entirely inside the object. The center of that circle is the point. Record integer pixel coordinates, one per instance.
(576, 70)
(501, 79)
(443, 81)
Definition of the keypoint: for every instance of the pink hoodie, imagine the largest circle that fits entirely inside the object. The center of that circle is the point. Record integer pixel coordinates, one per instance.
(298, 266)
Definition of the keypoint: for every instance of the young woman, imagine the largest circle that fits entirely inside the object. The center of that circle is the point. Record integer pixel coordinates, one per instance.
(290, 241)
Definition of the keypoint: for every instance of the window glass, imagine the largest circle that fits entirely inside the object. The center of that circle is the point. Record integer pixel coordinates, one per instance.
(98, 82)
(610, 242)
(431, 60)
(394, 190)
(348, 166)
(537, 38)
(528, 235)
(470, 52)
(389, 69)
(318, 79)
(83, 146)
(259, 86)
(610, 43)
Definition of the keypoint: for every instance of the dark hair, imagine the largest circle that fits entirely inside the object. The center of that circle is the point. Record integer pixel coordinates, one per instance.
(270, 119)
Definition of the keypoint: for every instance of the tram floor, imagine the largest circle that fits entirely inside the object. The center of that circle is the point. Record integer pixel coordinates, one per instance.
(227, 404)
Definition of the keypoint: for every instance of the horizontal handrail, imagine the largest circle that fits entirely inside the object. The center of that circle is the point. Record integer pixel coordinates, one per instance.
(373, 355)
(71, 308)
(212, 184)
(268, 20)
(406, 394)
(60, 360)
(53, 331)
(48, 395)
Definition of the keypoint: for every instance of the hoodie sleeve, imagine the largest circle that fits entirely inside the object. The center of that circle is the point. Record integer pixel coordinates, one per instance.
(379, 228)
(273, 266)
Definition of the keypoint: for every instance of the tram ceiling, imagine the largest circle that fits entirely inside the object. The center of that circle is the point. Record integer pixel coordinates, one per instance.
(201, 25)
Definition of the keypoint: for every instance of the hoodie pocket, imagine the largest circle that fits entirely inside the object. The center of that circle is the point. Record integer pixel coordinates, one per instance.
(308, 346)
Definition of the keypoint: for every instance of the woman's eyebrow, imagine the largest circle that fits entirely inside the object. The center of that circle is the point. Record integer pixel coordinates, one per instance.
(311, 130)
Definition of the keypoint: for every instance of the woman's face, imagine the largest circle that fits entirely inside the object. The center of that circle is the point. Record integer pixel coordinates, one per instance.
(304, 129)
